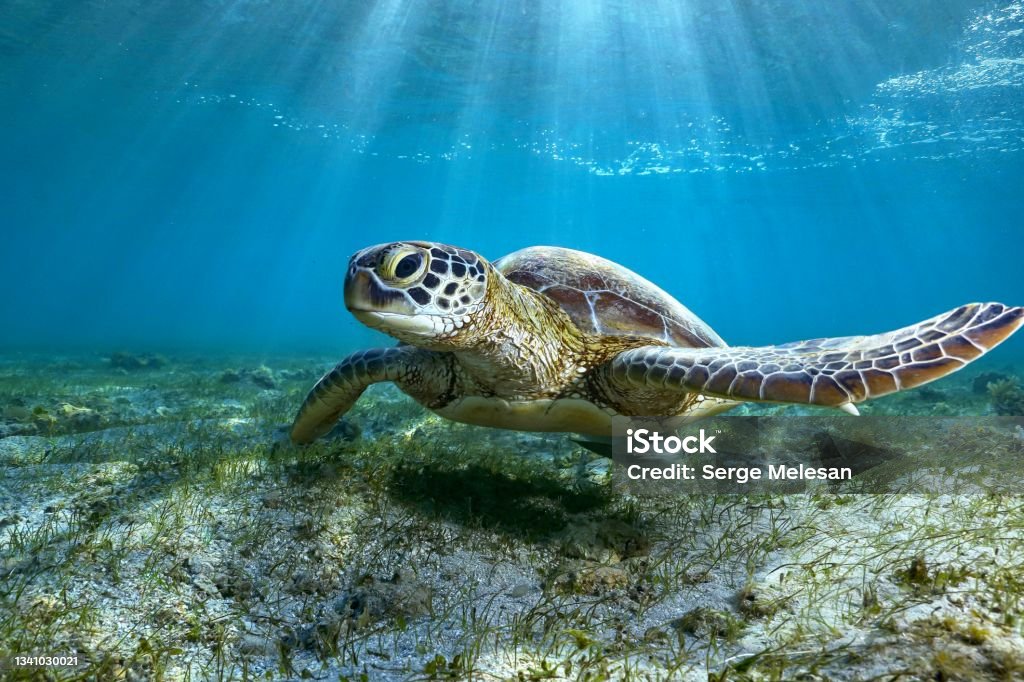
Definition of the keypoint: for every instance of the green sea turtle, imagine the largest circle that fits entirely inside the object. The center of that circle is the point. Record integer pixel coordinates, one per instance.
(551, 339)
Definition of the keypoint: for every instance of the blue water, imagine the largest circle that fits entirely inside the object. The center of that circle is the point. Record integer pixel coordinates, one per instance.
(194, 175)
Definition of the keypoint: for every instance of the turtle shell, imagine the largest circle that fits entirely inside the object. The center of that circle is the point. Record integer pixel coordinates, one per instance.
(603, 297)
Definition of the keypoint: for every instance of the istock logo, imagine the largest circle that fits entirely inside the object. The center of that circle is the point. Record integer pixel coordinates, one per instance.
(645, 441)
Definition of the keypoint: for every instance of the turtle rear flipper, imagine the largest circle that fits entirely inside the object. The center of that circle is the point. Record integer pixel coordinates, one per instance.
(832, 371)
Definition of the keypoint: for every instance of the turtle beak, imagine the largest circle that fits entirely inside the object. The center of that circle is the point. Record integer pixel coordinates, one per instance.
(357, 286)
(364, 293)
(384, 309)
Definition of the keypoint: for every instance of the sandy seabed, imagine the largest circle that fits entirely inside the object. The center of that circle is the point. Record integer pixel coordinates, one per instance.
(155, 523)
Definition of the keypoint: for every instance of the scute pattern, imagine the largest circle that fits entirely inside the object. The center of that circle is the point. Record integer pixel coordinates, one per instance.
(453, 297)
(603, 297)
(832, 371)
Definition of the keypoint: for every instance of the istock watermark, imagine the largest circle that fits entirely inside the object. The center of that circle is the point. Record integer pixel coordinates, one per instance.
(956, 455)
(644, 441)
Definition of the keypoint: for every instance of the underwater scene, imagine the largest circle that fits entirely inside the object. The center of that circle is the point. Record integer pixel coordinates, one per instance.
(322, 321)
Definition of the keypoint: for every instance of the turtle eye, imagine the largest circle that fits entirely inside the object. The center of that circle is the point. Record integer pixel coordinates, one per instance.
(408, 266)
(401, 265)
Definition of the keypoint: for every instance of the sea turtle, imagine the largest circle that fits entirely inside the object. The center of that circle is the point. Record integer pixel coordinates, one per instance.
(551, 339)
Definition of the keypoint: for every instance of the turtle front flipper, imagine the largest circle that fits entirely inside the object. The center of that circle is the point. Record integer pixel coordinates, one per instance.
(831, 372)
(339, 389)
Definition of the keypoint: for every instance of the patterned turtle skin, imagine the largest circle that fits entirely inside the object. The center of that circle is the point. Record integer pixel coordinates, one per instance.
(551, 339)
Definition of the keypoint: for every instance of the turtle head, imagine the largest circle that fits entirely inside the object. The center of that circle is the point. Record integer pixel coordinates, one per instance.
(421, 293)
